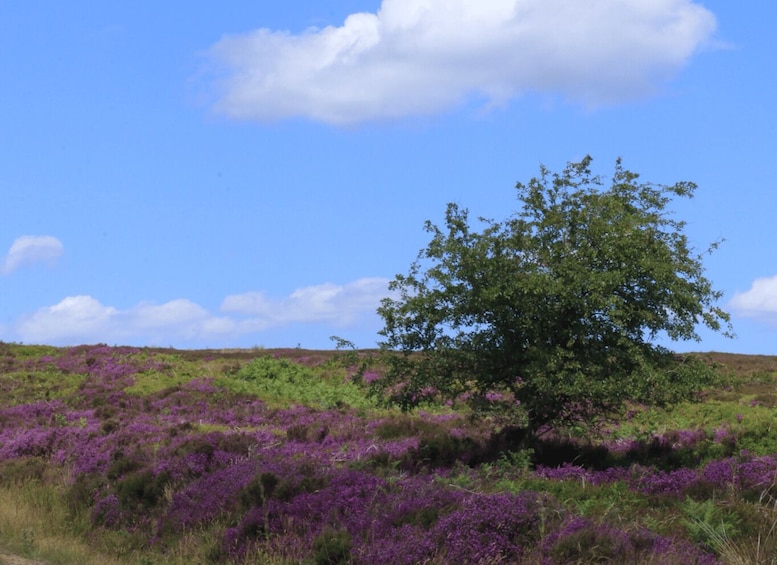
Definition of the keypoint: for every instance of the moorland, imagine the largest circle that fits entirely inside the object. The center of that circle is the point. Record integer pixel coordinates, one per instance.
(118, 455)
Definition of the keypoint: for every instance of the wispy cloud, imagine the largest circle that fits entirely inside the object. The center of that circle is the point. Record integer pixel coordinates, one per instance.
(414, 58)
(84, 319)
(759, 302)
(29, 249)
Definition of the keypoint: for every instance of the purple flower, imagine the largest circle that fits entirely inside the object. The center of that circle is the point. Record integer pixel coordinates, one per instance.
(370, 377)
(667, 483)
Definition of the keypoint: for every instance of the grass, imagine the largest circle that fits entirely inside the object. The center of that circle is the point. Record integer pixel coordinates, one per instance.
(20, 387)
(36, 523)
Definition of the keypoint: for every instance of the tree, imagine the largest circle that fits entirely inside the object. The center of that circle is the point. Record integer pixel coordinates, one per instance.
(555, 310)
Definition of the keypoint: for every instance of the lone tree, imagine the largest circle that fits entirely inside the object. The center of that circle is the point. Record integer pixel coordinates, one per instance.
(556, 310)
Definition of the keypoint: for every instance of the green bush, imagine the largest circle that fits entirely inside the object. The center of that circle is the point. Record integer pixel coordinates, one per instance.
(258, 490)
(120, 465)
(79, 497)
(141, 488)
(332, 547)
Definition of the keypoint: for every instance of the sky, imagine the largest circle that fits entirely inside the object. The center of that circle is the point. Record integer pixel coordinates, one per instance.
(254, 174)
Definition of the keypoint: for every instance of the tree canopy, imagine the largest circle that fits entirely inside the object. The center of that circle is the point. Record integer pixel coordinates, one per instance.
(556, 310)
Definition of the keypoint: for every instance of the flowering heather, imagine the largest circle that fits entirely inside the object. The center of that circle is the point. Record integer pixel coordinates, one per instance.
(492, 528)
(381, 518)
(157, 446)
(207, 497)
(580, 540)
(665, 483)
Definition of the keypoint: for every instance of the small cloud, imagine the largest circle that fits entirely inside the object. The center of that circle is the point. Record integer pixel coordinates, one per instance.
(416, 58)
(29, 249)
(759, 302)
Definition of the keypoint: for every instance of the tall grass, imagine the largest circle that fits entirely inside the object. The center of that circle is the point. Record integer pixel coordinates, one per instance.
(36, 523)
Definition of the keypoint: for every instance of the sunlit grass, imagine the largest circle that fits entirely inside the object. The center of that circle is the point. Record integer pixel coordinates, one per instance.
(35, 523)
(282, 383)
(151, 382)
(26, 386)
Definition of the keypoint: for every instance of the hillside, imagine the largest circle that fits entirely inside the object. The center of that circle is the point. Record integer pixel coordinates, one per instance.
(139, 455)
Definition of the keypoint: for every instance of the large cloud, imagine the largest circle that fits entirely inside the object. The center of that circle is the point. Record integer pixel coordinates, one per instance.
(29, 249)
(84, 319)
(418, 57)
(758, 302)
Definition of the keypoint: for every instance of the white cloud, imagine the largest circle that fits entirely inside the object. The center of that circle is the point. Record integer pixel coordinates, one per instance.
(340, 305)
(29, 249)
(75, 316)
(417, 57)
(84, 319)
(758, 302)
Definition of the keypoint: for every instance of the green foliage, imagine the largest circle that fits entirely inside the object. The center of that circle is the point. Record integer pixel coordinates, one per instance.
(708, 523)
(398, 426)
(285, 382)
(141, 488)
(758, 437)
(48, 384)
(438, 450)
(79, 496)
(518, 460)
(121, 465)
(586, 545)
(13, 471)
(559, 306)
(750, 427)
(332, 547)
(150, 382)
(258, 490)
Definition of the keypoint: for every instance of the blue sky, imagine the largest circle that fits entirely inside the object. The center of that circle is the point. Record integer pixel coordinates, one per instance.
(187, 175)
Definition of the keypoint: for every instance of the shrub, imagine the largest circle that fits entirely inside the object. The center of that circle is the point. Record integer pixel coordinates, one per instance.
(332, 547)
(81, 494)
(141, 488)
(121, 464)
(256, 492)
